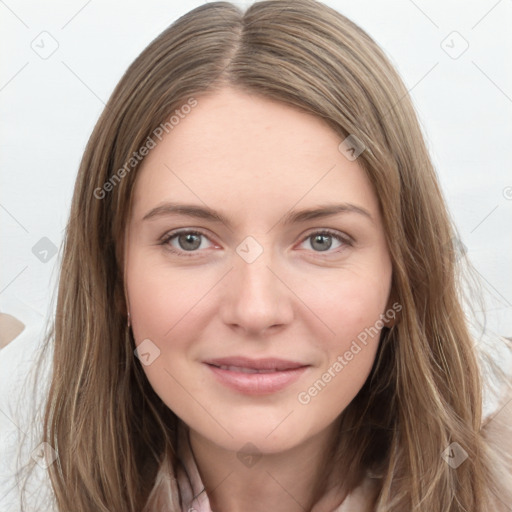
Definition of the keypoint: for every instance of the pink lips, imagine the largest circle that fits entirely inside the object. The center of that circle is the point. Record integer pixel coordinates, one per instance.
(256, 376)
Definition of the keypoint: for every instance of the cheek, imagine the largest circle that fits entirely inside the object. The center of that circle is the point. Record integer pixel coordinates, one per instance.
(348, 359)
(166, 308)
(351, 309)
(159, 303)
(352, 312)
(159, 297)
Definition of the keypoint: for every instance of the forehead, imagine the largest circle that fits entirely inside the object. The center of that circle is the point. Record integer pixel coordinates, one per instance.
(233, 148)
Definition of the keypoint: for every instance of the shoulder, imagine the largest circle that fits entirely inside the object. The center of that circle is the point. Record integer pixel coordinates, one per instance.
(497, 431)
(497, 424)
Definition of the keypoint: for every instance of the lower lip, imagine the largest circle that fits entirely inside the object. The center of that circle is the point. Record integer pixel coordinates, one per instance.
(257, 383)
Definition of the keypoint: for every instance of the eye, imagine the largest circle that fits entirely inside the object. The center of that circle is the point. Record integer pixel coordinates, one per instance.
(321, 241)
(186, 241)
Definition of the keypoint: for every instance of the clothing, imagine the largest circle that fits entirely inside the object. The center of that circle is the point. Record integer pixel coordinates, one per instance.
(191, 489)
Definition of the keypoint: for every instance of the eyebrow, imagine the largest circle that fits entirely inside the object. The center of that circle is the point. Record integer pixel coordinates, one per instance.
(292, 217)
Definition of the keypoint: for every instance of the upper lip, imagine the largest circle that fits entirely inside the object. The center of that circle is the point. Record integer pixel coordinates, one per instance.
(256, 364)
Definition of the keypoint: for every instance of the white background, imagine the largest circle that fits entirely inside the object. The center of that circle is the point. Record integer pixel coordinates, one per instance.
(48, 108)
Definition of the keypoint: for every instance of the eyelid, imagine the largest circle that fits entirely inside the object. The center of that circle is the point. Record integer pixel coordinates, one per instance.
(341, 235)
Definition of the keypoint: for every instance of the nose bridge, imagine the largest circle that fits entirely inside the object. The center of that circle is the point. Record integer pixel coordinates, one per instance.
(256, 298)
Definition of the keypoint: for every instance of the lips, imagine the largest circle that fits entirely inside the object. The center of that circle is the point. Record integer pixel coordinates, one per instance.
(246, 370)
(247, 365)
(256, 376)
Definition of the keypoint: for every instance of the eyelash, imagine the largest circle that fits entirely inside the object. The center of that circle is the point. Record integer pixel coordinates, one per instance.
(345, 240)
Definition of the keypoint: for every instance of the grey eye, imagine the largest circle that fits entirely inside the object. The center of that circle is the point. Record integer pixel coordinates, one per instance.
(321, 242)
(189, 241)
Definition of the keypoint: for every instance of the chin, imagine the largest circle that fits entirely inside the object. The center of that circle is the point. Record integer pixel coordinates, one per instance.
(264, 436)
(260, 443)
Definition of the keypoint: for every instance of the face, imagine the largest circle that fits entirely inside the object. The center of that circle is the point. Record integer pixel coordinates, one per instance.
(254, 280)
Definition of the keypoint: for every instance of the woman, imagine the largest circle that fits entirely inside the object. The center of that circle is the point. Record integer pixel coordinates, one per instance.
(259, 304)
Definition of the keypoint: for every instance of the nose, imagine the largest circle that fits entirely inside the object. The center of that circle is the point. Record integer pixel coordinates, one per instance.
(255, 297)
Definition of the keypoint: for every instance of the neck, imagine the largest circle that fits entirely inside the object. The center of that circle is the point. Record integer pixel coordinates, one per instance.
(289, 481)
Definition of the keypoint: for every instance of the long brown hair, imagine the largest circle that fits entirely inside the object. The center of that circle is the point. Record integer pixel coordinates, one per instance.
(111, 431)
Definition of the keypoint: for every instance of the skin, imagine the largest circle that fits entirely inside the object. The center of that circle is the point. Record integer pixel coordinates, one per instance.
(255, 160)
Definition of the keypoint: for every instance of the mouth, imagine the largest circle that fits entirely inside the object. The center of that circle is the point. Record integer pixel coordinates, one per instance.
(241, 369)
(268, 364)
(256, 376)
